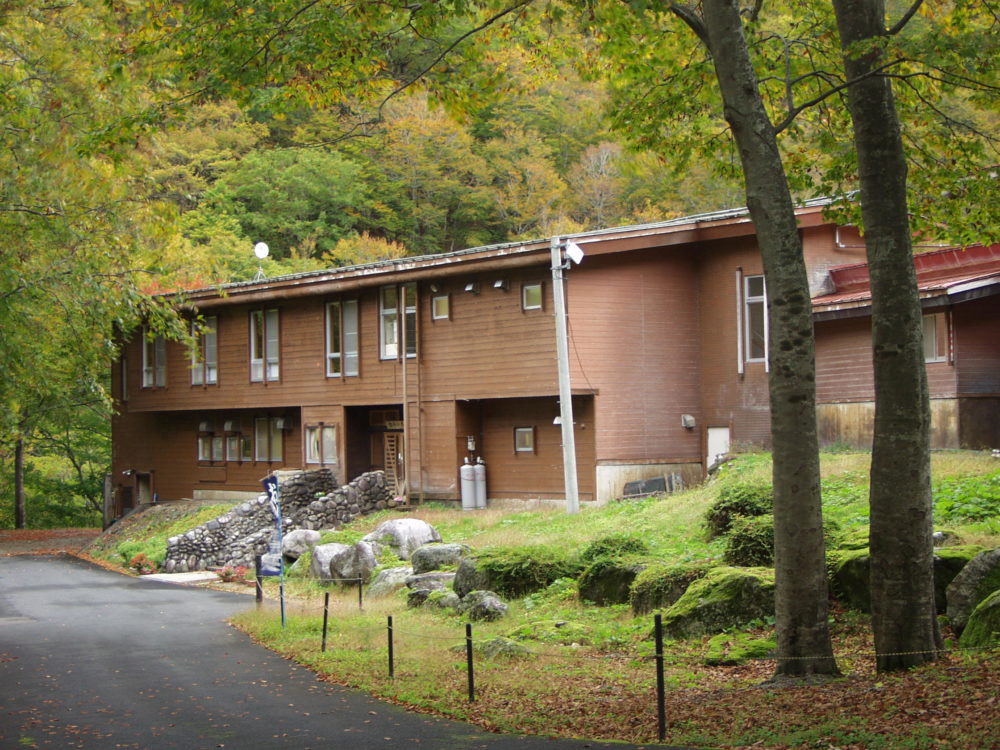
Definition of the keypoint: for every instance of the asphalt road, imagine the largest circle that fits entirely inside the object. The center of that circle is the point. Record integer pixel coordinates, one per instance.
(93, 659)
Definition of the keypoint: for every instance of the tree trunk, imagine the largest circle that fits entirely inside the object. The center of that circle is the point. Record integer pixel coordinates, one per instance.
(804, 645)
(20, 507)
(902, 573)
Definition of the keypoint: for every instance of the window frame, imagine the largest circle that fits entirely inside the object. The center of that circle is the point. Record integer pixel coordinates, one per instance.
(316, 450)
(265, 345)
(446, 299)
(940, 336)
(205, 354)
(540, 286)
(520, 447)
(342, 338)
(398, 321)
(211, 446)
(754, 306)
(272, 436)
(154, 360)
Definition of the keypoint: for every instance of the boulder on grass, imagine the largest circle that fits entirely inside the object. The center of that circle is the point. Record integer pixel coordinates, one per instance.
(296, 543)
(724, 598)
(608, 580)
(660, 585)
(356, 562)
(389, 580)
(948, 563)
(482, 606)
(404, 535)
(982, 629)
(469, 577)
(437, 556)
(433, 581)
(443, 599)
(321, 557)
(977, 580)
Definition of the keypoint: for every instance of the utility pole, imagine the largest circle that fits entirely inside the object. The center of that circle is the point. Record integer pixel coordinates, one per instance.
(565, 393)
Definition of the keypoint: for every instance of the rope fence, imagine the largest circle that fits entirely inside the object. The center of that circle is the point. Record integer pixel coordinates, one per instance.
(659, 658)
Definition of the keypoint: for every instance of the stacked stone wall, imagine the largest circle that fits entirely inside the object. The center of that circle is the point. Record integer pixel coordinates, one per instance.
(309, 500)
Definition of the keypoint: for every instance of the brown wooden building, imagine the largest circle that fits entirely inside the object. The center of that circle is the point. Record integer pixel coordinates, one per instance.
(416, 364)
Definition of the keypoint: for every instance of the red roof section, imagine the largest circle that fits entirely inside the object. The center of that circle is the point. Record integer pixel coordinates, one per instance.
(938, 271)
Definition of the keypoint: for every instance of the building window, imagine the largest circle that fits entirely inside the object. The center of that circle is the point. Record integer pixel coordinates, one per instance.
(205, 356)
(321, 444)
(268, 435)
(440, 307)
(264, 345)
(935, 337)
(210, 444)
(154, 360)
(531, 297)
(524, 439)
(755, 332)
(393, 301)
(342, 338)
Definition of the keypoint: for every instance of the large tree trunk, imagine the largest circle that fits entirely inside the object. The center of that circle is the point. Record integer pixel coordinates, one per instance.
(902, 574)
(804, 645)
(20, 507)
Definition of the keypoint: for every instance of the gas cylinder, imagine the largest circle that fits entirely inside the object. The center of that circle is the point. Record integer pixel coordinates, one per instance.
(467, 474)
(479, 474)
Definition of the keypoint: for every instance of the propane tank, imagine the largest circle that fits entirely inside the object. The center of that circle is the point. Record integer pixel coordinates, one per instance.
(467, 474)
(479, 473)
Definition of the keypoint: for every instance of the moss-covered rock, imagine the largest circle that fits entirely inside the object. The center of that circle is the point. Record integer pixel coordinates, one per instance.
(552, 631)
(660, 585)
(614, 545)
(852, 538)
(849, 578)
(750, 542)
(515, 571)
(608, 580)
(732, 649)
(977, 580)
(948, 563)
(735, 500)
(982, 630)
(724, 598)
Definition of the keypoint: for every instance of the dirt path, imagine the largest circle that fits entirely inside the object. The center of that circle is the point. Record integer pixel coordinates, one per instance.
(44, 541)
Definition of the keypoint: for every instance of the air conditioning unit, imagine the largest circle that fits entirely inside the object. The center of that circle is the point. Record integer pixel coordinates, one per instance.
(282, 423)
(205, 425)
(232, 425)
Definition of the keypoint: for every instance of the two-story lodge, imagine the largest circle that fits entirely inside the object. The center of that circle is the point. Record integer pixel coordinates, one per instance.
(414, 365)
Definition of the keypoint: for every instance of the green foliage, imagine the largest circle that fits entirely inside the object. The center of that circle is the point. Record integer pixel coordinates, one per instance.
(614, 545)
(738, 499)
(732, 649)
(515, 571)
(975, 498)
(750, 542)
(983, 628)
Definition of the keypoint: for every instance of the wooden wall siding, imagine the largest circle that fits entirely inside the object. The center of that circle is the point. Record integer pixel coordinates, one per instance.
(635, 340)
(844, 360)
(821, 251)
(976, 327)
(166, 443)
(535, 475)
(490, 346)
(438, 475)
(729, 398)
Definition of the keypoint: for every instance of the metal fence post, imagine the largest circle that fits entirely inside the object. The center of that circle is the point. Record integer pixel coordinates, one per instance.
(326, 616)
(661, 709)
(468, 660)
(361, 588)
(391, 666)
(259, 587)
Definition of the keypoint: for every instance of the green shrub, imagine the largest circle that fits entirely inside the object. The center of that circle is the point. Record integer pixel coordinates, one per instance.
(969, 498)
(660, 585)
(751, 542)
(515, 571)
(614, 545)
(738, 499)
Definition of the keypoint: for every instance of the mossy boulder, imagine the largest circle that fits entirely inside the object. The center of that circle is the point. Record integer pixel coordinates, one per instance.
(437, 556)
(850, 571)
(515, 571)
(552, 631)
(853, 538)
(614, 545)
(608, 580)
(482, 606)
(724, 598)
(735, 500)
(660, 585)
(733, 649)
(977, 580)
(750, 542)
(982, 630)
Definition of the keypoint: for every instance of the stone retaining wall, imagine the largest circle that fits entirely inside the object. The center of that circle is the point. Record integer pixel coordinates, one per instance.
(309, 500)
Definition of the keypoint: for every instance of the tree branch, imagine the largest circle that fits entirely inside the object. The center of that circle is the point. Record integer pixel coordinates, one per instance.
(905, 19)
(690, 16)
